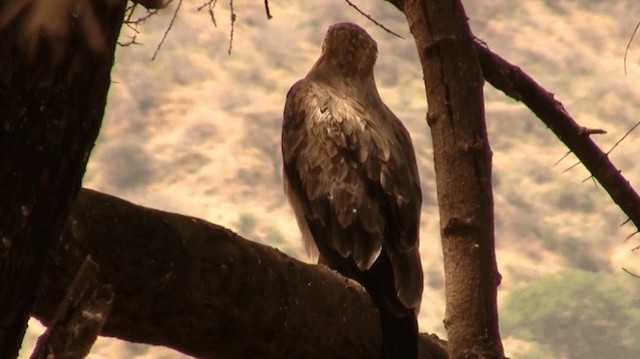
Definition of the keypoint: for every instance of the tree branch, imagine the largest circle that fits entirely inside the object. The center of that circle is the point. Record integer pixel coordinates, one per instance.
(515, 83)
(228, 296)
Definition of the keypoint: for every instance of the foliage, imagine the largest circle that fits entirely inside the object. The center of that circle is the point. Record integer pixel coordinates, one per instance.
(576, 314)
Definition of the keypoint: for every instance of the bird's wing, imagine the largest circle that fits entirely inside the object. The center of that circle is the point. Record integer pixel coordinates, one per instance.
(351, 178)
(340, 162)
(324, 155)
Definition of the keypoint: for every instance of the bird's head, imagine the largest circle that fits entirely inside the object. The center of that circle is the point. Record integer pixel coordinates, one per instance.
(348, 49)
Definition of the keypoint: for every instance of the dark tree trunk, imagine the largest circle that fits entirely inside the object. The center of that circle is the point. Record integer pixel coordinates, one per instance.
(462, 158)
(53, 88)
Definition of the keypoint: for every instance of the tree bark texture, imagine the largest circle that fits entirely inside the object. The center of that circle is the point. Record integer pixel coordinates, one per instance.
(79, 317)
(53, 86)
(462, 159)
(199, 288)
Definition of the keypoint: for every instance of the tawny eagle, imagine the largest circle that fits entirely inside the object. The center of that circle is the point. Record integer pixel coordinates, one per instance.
(350, 175)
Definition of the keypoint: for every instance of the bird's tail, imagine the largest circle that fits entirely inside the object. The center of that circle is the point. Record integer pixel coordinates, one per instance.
(400, 334)
(399, 323)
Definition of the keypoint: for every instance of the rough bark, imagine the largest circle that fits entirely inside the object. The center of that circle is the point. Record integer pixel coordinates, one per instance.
(53, 86)
(79, 318)
(199, 288)
(462, 159)
(515, 83)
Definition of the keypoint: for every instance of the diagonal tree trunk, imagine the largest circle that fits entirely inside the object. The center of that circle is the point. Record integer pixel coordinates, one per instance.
(56, 59)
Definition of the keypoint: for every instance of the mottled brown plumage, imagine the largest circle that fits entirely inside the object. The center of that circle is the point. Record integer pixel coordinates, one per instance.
(351, 177)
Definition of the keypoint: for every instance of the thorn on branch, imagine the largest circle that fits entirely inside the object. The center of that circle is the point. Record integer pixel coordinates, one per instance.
(623, 137)
(131, 41)
(629, 237)
(571, 167)
(562, 158)
(593, 179)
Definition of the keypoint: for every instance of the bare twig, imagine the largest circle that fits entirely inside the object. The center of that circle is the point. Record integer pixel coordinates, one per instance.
(210, 5)
(164, 37)
(370, 18)
(629, 272)
(266, 9)
(233, 22)
(629, 45)
(132, 24)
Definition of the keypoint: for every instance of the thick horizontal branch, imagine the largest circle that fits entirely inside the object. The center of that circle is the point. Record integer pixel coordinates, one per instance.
(201, 289)
(516, 84)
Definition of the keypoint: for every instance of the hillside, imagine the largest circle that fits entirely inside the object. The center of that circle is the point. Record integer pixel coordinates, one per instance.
(196, 131)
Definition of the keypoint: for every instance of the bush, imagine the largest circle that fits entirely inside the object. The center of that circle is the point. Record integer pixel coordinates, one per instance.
(577, 314)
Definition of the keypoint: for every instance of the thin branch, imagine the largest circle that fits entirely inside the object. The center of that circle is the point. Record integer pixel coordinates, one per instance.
(629, 272)
(164, 36)
(233, 22)
(210, 5)
(132, 24)
(629, 45)
(131, 41)
(370, 18)
(266, 10)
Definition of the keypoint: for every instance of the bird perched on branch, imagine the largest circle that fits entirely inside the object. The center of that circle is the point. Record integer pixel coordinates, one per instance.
(350, 175)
